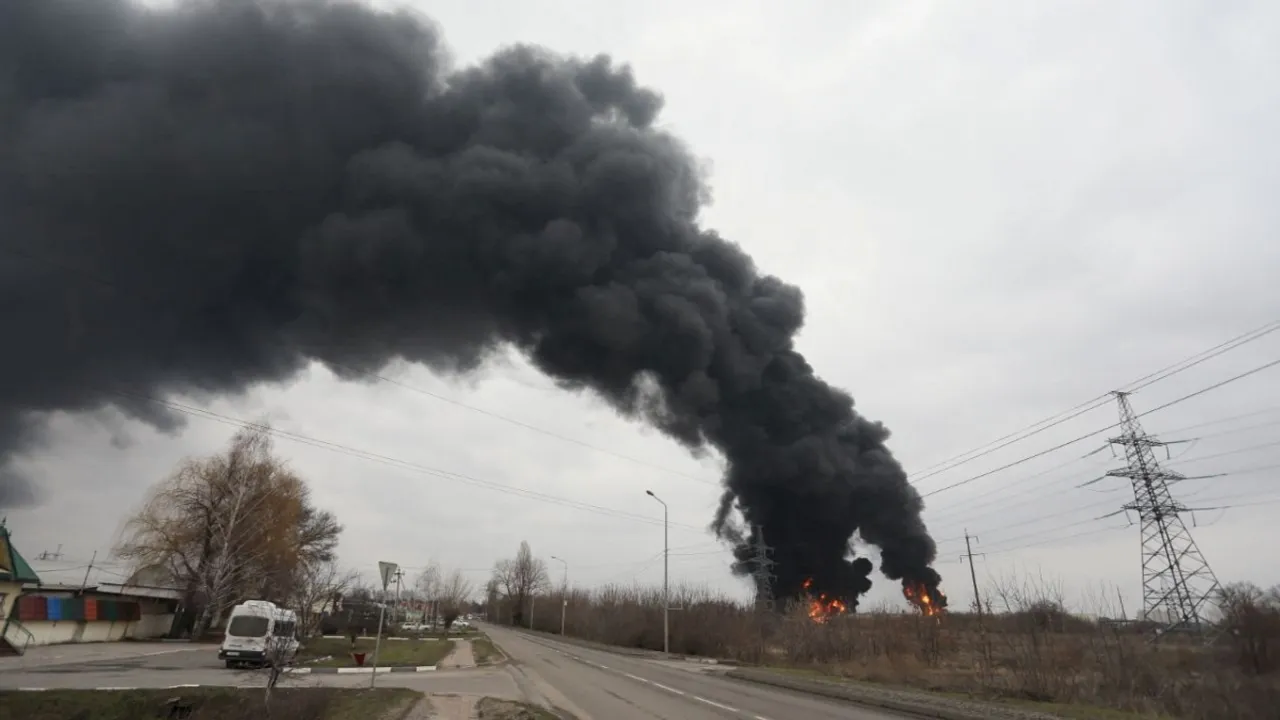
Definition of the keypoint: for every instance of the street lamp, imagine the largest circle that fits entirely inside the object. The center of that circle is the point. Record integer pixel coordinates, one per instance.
(666, 599)
(564, 594)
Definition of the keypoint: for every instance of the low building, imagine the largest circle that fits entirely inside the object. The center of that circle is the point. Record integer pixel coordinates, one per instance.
(37, 613)
(106, 612)
(15, 573)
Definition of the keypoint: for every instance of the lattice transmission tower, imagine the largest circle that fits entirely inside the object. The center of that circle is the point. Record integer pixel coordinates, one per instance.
(762, 570)
(1177, 583)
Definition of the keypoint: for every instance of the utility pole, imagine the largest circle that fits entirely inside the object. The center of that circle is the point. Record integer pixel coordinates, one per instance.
(564, 593)
(973, 573)
(1177, 582)
(88, 570)
(666, 587)
(395, 616)
(762, 570)
(977, 596)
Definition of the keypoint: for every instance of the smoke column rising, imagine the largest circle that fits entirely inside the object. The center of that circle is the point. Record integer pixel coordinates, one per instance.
(202, 198)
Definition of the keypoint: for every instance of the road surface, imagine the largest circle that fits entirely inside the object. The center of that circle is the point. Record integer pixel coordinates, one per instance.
(164, 665)
(597, 685)
(589, 683)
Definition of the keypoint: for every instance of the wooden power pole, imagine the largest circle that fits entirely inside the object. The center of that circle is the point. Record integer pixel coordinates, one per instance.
(977, 596)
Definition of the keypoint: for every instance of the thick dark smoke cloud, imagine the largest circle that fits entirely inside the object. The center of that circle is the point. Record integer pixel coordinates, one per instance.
(203, 198)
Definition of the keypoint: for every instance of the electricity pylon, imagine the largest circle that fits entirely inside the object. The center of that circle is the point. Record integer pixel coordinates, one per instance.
(1177, 583)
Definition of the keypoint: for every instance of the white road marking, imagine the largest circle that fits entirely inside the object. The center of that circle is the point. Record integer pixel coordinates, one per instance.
(713, 703)
(658, 685)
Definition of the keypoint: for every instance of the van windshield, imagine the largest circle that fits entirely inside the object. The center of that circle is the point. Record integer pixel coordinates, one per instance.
(248, 626)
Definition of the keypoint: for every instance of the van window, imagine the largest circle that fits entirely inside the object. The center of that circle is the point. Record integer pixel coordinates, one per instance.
(284, 629)
(248, 626)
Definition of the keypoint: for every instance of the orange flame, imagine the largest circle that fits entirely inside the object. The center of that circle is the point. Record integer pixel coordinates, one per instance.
(924, 601)
(822, 608)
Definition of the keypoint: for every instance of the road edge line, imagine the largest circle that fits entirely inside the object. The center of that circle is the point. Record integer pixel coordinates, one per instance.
(851, 696)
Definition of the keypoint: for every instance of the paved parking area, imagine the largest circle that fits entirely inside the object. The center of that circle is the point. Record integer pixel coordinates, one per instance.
(163, 665)
(137, 654)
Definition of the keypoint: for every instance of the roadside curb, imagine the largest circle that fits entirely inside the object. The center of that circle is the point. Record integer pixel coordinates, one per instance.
(432, 638)
(102, 689)
(381, 669)
(869, 698)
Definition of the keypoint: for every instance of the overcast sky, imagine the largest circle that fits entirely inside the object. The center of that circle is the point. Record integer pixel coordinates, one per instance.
(997, 211)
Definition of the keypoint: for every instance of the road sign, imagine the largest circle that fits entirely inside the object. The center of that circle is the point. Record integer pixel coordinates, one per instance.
(388, 571)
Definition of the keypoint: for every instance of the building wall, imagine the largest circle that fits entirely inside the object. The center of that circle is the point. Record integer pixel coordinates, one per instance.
(11, 592)
(45, 632)
(155, 620)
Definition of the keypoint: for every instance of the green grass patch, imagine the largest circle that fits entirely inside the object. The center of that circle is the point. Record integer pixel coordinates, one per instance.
(391, 652)
(484, 650)
(209, 703)
(494, 709)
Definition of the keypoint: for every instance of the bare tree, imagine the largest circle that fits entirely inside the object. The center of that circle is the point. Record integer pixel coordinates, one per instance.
(1251, 617)
(491, 610)
(519, 578)
(455, 593)
(234, 525)
(428, 584)
(319, 585)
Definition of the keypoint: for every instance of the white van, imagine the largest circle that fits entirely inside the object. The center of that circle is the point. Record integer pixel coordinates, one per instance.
(255, 626)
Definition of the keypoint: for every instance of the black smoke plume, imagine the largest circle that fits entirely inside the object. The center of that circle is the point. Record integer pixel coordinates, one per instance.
(203, 198)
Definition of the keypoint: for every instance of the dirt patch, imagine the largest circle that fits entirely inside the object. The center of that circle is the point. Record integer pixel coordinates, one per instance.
(460, 657)
(207, 704)
(495, 709)
(452, 707)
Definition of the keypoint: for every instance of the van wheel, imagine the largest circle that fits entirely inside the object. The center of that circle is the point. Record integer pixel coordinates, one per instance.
(231, 665)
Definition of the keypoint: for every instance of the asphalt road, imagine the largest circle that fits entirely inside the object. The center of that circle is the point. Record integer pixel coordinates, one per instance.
(598, 685)
(591, 684)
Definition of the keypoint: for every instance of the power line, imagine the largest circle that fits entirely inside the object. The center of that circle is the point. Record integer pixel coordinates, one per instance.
(1219, 421)
(1099, 401)
(1095, 433)
(520, 423)
(404, 464)
(965, 508)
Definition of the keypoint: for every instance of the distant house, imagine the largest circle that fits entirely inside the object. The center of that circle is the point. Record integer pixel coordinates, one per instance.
(38, 613)
(15, 572)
